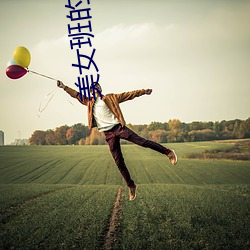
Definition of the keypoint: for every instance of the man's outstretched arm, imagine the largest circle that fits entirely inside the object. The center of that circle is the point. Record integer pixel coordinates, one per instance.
(73, 93)
(132, 94)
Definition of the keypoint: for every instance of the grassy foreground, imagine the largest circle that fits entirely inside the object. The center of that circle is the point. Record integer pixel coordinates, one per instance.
(65, 217)
(187, 217)
(61, 197)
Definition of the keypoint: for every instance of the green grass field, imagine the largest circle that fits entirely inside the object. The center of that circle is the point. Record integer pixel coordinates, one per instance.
(62, 197)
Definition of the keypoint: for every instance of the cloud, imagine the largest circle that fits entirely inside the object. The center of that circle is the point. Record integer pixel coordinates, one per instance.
(125, 41)
(122, 33)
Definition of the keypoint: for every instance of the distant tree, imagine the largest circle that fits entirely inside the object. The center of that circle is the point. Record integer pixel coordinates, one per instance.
(236, 128)
(217, 129)
(159, 135)
(175, 124)
(244, 129)
(37, 138)
(196, 126)
(86, 141)
(71, 136)
(50, 137)
(175, 133)
(96, 137)
(185, 130)
(76, 133)
(229, 125)
(145, 133)
(202, 135)
(208, 135)
(82, 142)
(157, 126)
(94, 141)
(80, 131)
(228, 129)
(60, 134)
(140, 128)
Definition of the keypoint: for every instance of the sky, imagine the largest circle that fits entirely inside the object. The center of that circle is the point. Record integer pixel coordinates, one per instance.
(194, 54)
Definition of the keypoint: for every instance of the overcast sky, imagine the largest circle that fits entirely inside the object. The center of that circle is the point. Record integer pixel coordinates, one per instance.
(195, 55)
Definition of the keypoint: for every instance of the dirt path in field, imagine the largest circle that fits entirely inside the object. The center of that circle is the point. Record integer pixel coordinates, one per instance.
(112, 230)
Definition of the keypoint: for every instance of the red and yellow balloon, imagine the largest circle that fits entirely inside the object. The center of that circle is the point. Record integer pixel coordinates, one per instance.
(18, 64)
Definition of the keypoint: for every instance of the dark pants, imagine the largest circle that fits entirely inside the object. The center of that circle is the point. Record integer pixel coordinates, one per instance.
(113, 137)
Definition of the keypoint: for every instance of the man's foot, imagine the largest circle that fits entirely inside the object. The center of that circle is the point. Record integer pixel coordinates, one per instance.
(172, 157)
(132, 193)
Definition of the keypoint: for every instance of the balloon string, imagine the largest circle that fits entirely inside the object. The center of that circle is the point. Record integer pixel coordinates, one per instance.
(50, 96)
(51, 78)
(71, 103)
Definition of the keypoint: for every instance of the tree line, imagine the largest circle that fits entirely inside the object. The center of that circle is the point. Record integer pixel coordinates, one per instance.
(172, 131)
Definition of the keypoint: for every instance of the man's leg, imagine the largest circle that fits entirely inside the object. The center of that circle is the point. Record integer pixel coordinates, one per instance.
(129, 135)
(115, 149)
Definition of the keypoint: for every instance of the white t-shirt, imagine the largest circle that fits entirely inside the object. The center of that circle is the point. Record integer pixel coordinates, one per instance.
(105, 119)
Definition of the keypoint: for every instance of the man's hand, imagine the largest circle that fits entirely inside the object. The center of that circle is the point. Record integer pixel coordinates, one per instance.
(60, 84)
(148, 91)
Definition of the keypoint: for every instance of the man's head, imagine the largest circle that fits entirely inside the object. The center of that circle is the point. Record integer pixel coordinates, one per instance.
(95, 89)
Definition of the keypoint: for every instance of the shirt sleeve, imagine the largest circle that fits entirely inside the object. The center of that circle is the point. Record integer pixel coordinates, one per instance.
(123, 97)
(73, 93)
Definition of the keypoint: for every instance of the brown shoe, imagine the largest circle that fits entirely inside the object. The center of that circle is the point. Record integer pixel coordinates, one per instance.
(172, 157)
(132, 193)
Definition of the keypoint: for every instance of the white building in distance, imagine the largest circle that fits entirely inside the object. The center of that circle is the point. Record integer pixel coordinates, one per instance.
(1, 138)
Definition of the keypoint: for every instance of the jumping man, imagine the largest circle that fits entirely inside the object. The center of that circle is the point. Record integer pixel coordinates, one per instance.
(104, 113)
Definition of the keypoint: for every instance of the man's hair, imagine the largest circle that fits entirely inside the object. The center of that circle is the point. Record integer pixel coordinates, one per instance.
(95, 84)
